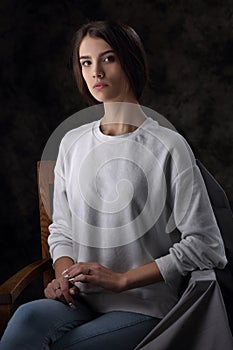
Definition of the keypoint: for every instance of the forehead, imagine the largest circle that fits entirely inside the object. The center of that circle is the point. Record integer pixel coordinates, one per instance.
(93, 46)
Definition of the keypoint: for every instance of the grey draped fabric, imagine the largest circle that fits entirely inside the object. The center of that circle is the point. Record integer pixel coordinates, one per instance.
(197, 322)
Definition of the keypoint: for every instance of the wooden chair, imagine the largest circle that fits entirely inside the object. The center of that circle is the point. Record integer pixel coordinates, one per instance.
(12, 289)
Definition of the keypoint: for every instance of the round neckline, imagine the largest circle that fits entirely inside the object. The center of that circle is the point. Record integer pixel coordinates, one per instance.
(100, 135)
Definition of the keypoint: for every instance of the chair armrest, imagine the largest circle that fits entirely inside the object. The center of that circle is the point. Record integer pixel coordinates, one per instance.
(11, 289)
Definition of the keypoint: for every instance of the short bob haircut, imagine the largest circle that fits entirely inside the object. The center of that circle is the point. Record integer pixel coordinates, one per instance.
(127, 45)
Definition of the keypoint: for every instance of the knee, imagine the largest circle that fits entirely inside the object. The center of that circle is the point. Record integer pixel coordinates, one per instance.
(30, 313)
(26, 325)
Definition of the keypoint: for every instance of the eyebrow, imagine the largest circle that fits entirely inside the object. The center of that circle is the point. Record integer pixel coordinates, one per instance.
(100, 55)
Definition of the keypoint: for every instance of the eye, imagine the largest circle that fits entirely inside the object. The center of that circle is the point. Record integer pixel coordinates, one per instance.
(109, 59)
(86, 63)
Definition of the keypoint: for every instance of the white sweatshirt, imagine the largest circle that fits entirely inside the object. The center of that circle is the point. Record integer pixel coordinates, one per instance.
(123, 201)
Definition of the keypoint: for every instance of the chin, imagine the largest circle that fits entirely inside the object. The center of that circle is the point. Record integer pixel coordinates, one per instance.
(104, 98)
(98, 99)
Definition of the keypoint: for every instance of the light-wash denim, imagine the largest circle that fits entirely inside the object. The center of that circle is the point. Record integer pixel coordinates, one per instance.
(51, 325)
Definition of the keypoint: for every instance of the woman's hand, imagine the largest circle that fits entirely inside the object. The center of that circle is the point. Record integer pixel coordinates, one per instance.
(60, 289)
(96, 274)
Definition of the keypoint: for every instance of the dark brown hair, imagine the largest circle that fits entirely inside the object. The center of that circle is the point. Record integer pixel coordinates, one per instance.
(127, 46)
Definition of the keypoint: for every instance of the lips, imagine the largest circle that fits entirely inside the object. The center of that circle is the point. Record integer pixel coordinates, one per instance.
(99, 86)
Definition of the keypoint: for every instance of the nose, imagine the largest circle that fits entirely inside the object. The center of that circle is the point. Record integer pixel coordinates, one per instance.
(98, 72)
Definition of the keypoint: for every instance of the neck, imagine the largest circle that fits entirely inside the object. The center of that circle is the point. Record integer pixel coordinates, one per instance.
(121, 117)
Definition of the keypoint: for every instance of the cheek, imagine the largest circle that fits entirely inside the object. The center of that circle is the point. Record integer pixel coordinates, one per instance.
(85, 76)
(88, 81)
(122, 78)
(124, 82)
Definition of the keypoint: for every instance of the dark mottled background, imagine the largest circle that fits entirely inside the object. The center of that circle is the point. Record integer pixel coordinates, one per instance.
(190, 50)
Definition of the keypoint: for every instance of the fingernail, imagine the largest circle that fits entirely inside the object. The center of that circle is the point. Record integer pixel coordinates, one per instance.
(71, 279)
(67, 276)
(72, 306)
(64, 271)
(73, 292)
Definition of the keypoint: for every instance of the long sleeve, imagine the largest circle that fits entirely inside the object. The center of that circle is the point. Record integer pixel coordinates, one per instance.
(201, 246)
(60, 238)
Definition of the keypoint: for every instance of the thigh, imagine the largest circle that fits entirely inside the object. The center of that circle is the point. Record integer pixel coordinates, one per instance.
(114, 330)
(39, 323)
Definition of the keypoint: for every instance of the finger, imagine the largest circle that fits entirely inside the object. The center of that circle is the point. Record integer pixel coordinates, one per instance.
(50, 293)
(78, 269)
(73, 271)
(84, 279)
(64, 292)
(81, 267)
(53, 290)
(68, 298)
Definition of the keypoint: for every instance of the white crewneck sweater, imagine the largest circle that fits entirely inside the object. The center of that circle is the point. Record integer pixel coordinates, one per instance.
(127, 200)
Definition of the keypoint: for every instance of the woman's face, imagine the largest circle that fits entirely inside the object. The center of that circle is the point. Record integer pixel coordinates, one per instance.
(102, 72)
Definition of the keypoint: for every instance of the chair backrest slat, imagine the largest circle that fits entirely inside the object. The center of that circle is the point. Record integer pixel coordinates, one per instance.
(45, 174)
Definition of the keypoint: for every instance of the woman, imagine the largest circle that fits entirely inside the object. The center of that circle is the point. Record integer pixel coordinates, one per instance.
(131, 212)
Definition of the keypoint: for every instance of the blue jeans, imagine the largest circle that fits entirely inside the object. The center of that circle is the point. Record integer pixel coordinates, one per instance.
(49, 324)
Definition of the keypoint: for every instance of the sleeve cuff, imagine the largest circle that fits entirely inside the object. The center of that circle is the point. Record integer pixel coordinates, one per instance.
(168, 268)
(61, 251)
